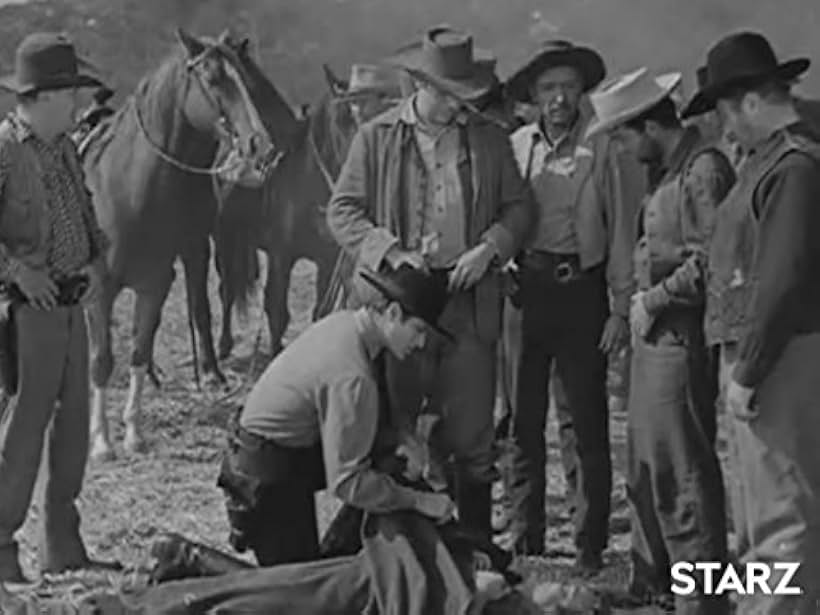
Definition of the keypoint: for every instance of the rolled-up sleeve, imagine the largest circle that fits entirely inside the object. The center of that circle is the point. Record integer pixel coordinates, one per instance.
(348, 425)
(349, 212)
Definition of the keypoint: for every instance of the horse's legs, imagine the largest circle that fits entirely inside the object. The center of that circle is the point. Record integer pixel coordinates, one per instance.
(196, 260)
(146, 319)
(102, 365)
(226, 296)
(276, 298)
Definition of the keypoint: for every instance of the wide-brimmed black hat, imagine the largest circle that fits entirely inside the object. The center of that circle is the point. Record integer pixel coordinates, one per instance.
(554, 53)
(420, 294)
(738, 60)
(47, 61)
(447, 59)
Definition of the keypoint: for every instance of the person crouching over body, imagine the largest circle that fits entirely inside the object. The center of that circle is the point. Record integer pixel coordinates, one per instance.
(311, 421)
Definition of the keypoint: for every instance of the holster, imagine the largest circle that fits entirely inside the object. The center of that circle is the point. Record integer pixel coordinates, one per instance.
(253, 465)
(8, 346)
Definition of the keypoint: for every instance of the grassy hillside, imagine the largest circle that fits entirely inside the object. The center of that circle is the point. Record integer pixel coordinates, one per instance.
(293, 37)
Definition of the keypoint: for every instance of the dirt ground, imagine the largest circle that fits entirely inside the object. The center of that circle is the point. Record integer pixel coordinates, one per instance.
(127, 502)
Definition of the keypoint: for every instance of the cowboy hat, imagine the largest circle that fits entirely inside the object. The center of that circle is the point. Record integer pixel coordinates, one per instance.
(625, 97)
(447, 60)
(47, 61)
(419, 293)
(738, 60)
(371, 80)
(555, 53)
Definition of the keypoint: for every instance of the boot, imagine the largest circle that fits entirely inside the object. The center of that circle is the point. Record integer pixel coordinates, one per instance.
(180, 558)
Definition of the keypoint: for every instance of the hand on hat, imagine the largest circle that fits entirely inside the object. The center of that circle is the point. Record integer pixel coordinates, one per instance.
(396, 257)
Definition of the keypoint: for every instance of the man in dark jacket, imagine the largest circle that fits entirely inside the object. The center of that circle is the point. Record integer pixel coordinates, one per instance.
(429, 185)
(51, 249)
(764, 292)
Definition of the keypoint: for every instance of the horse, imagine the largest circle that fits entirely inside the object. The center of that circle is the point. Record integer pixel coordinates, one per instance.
(288, 222)
(149, 171)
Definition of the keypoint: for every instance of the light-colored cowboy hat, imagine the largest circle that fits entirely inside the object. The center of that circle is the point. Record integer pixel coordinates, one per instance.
(372, 80)
(447, 59)
(551, 54)
(625, 97)
(743, 58)
(47, 61)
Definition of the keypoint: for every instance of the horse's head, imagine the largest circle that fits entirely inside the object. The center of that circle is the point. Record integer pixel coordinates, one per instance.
(219, 100)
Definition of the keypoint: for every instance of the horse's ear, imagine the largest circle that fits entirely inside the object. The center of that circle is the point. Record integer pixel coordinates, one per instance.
(193, 46)
(337, 86)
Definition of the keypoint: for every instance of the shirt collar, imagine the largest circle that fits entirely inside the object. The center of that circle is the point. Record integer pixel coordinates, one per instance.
(408, 115)
(369, 332)
(22, 129)
(573, 136)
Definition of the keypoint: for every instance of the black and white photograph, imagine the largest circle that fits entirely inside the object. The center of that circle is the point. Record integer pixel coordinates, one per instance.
(409, 307)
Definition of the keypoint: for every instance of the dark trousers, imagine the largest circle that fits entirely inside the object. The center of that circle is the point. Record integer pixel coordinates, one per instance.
(48, 415)
(269, 493)
(674, 481)
(508, 366)
(562, 324)
(780, 478)
(457, 379)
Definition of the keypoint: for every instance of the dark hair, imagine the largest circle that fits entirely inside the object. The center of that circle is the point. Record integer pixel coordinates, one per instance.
(774, 90)
(664, 112)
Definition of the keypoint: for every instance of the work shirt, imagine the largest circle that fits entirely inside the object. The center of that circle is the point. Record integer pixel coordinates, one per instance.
(323, 387)
(46, 209)
(588, 194)
(433, 184)
(557, 171)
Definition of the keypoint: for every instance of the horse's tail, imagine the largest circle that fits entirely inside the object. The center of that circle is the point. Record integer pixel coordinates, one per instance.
(236, 240)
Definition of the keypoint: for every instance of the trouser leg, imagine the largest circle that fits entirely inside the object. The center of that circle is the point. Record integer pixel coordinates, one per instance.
(66, 456)
(42, 338)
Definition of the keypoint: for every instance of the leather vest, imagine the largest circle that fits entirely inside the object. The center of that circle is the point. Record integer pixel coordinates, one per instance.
(730, 277)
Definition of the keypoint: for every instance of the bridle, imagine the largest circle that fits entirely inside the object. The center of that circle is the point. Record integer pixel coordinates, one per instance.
(221, 126)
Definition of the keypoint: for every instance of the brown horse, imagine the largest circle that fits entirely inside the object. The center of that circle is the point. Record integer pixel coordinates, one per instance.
(288, 221)
(150, 170)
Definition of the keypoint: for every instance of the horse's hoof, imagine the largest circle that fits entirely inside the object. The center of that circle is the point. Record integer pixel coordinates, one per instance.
(101, 451)
(135, 444)
(225, 349)
(214, 380)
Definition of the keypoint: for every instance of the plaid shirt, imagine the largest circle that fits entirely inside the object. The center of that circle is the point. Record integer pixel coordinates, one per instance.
(73, 238)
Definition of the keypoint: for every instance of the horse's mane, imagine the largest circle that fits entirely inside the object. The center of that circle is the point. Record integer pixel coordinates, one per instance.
(150, 96)
(275, 112)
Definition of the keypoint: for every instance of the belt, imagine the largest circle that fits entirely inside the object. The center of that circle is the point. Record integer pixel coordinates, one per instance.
(564, 268)
(70, 290)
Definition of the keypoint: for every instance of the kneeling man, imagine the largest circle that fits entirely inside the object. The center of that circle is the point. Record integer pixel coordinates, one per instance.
(311, 421)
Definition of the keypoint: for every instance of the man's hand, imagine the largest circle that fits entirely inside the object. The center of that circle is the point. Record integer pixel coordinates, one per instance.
(615, 335)
(37, 287)
(437, 506)
(396, 257)
(94, 274)
(738, 400)
(640, 320)
(471, 267)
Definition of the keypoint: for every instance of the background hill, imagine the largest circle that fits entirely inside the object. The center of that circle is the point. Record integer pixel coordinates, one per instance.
(293, 37)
